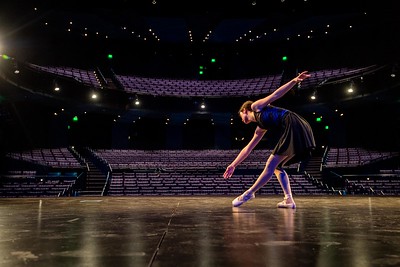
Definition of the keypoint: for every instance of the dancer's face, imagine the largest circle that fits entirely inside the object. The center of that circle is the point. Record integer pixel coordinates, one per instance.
(245, 116)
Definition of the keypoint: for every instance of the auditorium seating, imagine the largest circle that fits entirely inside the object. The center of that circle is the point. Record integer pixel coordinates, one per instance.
(30, 184)
(200, 183)
(195, 88)
(87, 77)
(177, 159)
(186, 172)
(320, 77)
(353, 156)
(239, 87)
(353, 166)
(137, 85)
(382, 182)
(51, 157)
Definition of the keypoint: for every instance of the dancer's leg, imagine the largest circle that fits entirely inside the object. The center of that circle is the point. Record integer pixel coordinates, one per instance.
(272, 162)
(284, 181)
(269, 169)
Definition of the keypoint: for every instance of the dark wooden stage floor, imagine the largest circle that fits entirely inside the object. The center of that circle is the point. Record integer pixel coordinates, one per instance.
(199, 231)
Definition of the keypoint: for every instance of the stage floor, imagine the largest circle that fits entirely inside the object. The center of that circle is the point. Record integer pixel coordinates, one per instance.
(199, 231)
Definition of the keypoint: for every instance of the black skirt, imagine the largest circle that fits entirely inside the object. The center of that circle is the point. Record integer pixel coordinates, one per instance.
(296, 141)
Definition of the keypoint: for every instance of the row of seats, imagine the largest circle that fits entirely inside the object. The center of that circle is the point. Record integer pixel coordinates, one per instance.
(353, 156)
(193, 88)
(50, 157)
(378, 185)
(87, 77)
(200, 88)
(28, 187)
(184, 183)
(181, 159)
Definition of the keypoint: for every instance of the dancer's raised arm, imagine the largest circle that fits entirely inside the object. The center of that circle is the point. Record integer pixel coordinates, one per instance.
(278, 93)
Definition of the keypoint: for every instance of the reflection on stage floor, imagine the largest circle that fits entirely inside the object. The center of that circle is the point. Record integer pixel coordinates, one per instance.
(199, 231)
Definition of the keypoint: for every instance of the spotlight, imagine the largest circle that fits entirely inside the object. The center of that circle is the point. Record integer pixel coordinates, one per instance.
(314, 95)
(203, 105)
(394, 70)
(56, 87)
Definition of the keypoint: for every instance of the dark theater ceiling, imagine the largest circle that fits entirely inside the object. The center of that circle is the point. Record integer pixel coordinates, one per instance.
(173, 38)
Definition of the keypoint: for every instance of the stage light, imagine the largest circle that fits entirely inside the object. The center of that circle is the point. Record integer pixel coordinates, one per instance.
(56, 87)
(314, 95)
(351, 88)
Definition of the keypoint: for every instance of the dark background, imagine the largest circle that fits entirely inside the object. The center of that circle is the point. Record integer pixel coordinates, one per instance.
(246, 39)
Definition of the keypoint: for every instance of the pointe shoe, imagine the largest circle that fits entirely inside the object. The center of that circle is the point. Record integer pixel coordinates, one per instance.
(243, 198)
(285, 205)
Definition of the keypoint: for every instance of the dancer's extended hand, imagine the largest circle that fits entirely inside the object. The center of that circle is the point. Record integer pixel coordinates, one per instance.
(303, 75)
(229, 171)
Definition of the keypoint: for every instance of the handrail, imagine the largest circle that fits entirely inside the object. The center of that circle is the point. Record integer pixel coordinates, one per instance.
(106, 184)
